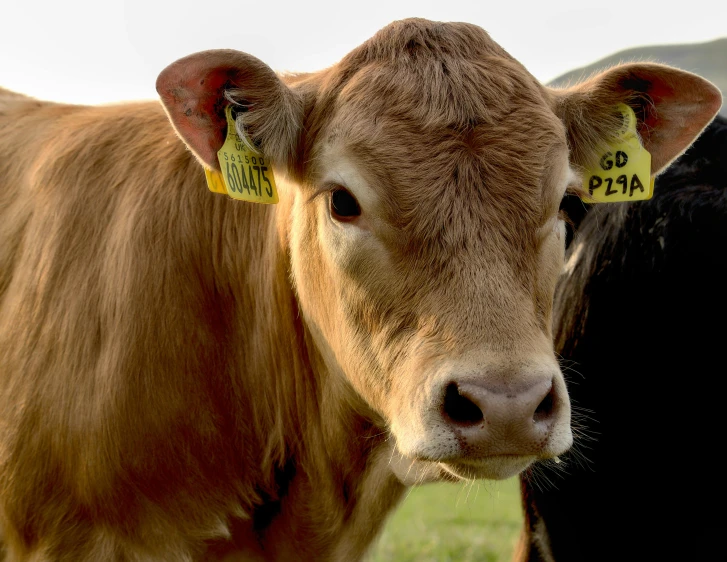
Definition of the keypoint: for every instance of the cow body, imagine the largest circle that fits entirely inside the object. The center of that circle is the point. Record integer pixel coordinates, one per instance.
(639, 315)
(187, 377)
(139, 402)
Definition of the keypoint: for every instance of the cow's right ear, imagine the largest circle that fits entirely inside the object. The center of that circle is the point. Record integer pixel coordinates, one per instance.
(196, 89)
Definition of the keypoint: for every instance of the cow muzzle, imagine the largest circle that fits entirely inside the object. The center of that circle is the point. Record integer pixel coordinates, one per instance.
(492, 425)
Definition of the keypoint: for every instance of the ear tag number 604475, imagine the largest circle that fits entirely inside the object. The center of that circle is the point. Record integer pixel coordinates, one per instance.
(246, 174)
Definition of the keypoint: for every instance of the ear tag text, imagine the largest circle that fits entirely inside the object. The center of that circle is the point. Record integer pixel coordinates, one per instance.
(246, 173)
(624, 171)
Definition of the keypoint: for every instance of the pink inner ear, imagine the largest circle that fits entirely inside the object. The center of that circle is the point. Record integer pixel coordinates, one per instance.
(658, 92)
(193, 95)
(683, 104)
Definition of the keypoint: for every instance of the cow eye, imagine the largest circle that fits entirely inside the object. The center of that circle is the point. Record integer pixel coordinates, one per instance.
(572, 210)
(569, 203)
(344, 206)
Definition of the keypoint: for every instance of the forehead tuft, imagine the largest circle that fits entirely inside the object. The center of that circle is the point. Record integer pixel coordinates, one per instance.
(448, 73)
(414, 38)
(435, 84)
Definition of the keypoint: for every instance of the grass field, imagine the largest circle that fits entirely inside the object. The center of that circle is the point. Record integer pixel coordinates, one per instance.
(477, 522)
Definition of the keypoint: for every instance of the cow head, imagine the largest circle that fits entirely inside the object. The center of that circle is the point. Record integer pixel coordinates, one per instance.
(422, 220)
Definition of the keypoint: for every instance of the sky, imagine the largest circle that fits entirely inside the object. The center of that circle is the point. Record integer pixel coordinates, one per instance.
(103, 51)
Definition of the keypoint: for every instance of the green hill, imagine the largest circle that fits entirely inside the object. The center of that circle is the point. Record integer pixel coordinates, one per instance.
(706, 59)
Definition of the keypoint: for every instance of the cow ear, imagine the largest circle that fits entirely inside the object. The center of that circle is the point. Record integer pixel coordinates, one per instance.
(672, 107)
(196, 89)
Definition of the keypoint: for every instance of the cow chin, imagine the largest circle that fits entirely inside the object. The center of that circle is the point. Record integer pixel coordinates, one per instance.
(499, 467)
(413, 472)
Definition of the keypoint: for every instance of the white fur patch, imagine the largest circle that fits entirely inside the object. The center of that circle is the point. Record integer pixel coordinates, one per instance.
(575, 255)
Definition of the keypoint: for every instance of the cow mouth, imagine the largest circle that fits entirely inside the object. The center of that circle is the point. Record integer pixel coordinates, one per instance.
(412, 471)
(496, 467)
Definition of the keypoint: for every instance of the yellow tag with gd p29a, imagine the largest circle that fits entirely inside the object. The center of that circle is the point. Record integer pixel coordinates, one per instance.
(246, 173)
(624, 171)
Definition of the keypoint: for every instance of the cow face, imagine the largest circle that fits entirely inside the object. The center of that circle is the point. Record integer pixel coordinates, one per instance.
(421, 217)
(425, 248)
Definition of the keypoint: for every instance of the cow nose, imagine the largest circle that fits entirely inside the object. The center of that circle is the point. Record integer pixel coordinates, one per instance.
(497, 420)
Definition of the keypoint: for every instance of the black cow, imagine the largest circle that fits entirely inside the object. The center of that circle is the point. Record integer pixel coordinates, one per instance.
(640, 325)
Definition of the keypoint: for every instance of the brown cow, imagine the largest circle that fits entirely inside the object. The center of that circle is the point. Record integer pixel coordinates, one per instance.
(187, 377)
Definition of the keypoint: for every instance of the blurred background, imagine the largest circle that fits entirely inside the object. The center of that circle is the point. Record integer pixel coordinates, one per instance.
(81, 51)
(85, 51)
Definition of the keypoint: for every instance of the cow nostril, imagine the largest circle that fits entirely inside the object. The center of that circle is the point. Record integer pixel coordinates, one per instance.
(545, 408)
(460, 409)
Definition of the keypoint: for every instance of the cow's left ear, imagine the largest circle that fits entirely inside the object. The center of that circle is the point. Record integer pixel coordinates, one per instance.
(196, 89)
(672, 107)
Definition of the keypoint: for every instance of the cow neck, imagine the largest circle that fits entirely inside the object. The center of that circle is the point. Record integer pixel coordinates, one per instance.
(266, 379)
(320, 456)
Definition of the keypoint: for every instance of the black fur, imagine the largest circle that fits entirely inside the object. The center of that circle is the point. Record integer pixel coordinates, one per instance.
(643, 320)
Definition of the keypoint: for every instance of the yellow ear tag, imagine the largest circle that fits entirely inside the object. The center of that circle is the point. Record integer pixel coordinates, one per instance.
(624, 171)
(246, 173)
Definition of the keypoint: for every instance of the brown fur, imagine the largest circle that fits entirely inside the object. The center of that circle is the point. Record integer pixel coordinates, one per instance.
(186, 377)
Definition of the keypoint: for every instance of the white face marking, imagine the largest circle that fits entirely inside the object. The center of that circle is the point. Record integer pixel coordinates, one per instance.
(567, 177)
(340, 170)
(342, 240)
(571, 178)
